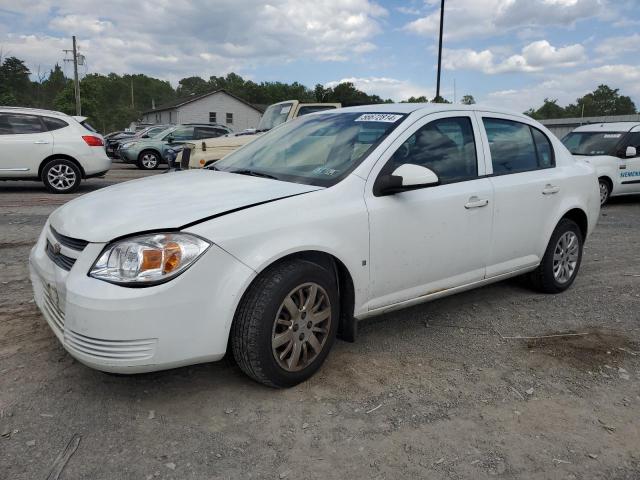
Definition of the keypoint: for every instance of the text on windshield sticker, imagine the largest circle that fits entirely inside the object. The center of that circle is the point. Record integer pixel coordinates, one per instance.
(612, 135)
(378, 117)
(285, 110)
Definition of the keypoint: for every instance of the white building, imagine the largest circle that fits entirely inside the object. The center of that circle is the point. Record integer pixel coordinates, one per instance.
(219, 107)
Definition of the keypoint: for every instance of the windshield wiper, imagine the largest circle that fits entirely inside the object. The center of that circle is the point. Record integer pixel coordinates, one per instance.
(253, 173)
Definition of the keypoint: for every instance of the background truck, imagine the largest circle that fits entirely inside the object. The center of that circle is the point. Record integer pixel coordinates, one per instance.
(210, 150)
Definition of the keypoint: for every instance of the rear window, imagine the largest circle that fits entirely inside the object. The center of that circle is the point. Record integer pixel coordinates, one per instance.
(54, 123)
(304, 110)
(88, 126)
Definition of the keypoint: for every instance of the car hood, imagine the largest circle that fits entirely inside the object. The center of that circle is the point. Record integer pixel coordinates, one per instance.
(165, 201)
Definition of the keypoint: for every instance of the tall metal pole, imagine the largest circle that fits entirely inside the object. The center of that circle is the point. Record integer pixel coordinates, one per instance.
(75, 77)
(440, 50)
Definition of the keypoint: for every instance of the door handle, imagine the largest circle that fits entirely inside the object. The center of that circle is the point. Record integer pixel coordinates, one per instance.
(41, 142)
(475, 202)
(550, 189)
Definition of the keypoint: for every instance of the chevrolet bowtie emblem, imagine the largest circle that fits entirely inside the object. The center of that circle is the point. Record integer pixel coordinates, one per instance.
(57, 248)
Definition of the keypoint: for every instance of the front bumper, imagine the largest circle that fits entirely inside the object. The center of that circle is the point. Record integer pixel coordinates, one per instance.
(127, 155)
(130, 330)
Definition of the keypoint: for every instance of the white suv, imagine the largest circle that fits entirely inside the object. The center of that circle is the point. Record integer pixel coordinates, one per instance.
(614, 151)
(334, 216)
(50, 146)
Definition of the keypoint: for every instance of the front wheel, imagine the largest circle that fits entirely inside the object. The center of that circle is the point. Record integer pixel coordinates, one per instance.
(286, 323)
(61, 176)
(605, 191)
(561, 261)
(148, 160)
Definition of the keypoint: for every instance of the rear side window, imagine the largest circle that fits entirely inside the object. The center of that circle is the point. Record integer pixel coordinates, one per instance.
(314, 108)
(54, 123)
(16, 124)
(516, 147)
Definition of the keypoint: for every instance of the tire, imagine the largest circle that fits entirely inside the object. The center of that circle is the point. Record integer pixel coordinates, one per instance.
(148, 160)
(562, 259)
(263, 317)
(605, 190)
(61, 176)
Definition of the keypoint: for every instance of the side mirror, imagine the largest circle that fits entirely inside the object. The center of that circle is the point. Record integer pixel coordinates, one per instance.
(405, 177)
(631, 152)
(170, 139)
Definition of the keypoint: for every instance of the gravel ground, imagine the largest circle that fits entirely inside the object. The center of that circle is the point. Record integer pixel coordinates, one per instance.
(441, 390)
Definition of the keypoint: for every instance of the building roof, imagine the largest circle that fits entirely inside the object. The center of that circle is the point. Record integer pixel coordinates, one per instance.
(193, 98)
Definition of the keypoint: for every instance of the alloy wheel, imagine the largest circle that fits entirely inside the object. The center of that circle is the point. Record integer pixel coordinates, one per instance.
(301, 327)
(61, 177)
(565, 257)
(149, 160)
(604, 193)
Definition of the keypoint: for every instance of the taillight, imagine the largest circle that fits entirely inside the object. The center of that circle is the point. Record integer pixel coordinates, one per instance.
(93, 141)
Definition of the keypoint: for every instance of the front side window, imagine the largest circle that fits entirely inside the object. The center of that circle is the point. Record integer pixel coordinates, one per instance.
(315, 149)
(513, 149)
(446, 146)
(17, 124)
(633, 140)
(592, 143)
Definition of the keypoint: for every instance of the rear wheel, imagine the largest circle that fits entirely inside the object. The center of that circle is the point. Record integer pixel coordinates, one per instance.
(605, 190)
(561, 261)
(286, 323)
(148, 160)
(61, 176)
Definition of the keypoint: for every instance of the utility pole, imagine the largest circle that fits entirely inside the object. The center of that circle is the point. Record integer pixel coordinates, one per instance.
(76, 82)
(132, 104)
(440, 49)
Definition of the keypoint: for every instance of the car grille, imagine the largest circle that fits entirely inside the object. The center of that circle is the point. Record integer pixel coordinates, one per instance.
(110, 349)
(72, 243)
(59, 259)
(51, 308)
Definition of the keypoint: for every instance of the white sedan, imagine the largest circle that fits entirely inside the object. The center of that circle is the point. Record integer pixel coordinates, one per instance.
(326, 220)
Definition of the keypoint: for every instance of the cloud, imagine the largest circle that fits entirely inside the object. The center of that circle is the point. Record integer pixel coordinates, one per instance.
(568, 86)
(483, 18)
(387, 87)
(207, 37)
(614, 47)
(534, 57)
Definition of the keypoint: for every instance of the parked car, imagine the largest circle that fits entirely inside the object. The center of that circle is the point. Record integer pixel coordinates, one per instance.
(148, 153)
(51, 147)
(211, 150)
(334, 217)
(614, 150)
(113, 144)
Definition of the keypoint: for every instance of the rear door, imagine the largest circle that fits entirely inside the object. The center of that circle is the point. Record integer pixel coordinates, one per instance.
(24, 143)
(527, 188)
(630, 166)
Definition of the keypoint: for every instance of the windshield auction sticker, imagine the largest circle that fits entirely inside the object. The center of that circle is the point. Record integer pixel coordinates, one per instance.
(612, 135)
(378, 117)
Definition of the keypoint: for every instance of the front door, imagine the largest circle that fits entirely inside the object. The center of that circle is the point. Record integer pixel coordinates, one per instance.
(24, 143)
(432, 239)
(629, 170)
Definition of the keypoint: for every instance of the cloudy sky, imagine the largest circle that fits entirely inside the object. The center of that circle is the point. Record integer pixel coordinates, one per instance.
(511, 53)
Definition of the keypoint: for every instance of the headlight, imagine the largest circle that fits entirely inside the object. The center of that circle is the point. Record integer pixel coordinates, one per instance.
(148, 259)
(126, 145)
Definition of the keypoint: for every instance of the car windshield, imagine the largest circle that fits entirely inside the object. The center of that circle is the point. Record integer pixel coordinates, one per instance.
(163, 132)
(318, 149)
(274, 116)
(592, 143)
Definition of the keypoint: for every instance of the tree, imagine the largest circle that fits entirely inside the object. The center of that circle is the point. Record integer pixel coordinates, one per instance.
(549, 109)
(468, 100)
(440, 99)
(421, 99)
(602, 101)
(192, 86)
(15, 86)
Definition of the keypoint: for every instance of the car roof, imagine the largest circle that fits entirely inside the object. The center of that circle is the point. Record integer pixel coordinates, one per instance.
(34, 111)
(607, 127)
(426, 108)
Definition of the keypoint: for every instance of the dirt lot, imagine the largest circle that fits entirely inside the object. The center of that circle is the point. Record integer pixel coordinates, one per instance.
(442, 390)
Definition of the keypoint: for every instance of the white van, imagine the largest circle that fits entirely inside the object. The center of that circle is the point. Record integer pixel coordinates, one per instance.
(614, 150)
